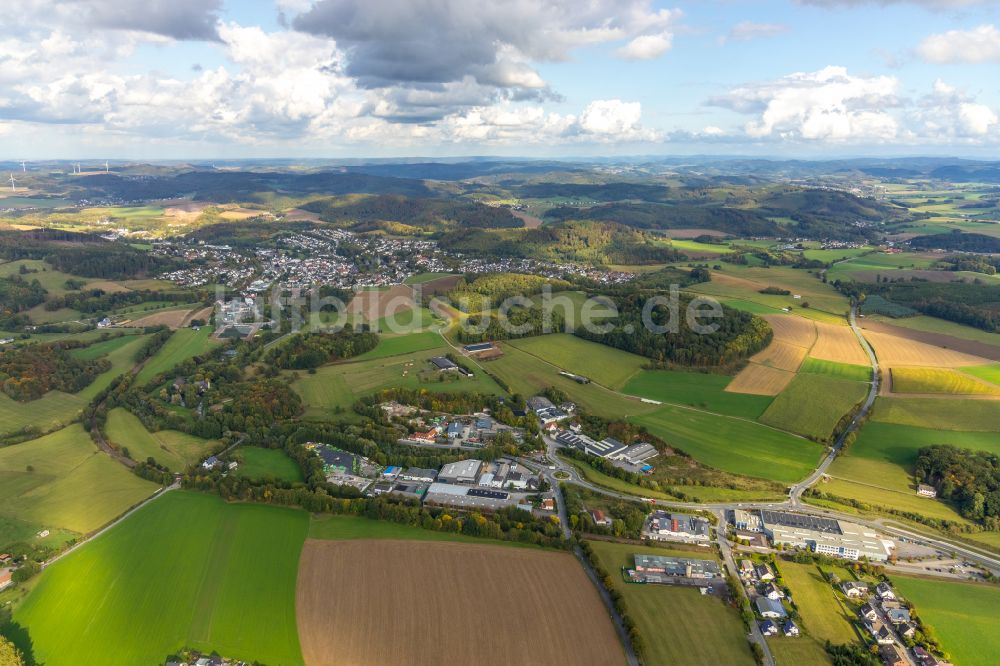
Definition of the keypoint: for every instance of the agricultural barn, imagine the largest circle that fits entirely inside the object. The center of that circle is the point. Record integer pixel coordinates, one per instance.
(478, 347)
(442, 364)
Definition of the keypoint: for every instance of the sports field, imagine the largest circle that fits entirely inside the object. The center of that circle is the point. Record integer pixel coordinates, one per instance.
(963, 616)
(945, 381)
(63, 480)
(174, 449)
(812, 405)
(734, 445)
(337, 386)
(696, 389)
(605, 365)
(486, 603)
(186, 570)
(259, 463)
(673, 621)
(185, 343)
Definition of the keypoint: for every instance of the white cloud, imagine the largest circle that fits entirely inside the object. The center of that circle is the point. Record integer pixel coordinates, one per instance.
(828, 105)
(979, 45)
(948, 113)
(646, 47)
(928, 4)
(748, 30)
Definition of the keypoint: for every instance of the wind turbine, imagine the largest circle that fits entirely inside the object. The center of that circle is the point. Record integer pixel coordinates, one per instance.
(78, 168)
(12, 181)
(23, 167)
(105, 166)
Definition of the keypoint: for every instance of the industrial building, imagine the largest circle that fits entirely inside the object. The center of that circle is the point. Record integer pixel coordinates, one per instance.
(465, 497)
(606, 448)
(664, 526)
(824, 535)
(677, 566)
(463, 471)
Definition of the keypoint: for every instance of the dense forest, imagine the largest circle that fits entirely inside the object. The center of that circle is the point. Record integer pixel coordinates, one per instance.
(957, 240)
(360, 213)
(17, 295)
(490, 290)
(580, 241)
(98, 300)
(311, 350)
(972, 304)
(658, 216)
(971, 479)
(29, 372)
(738, 336)
(82, 254)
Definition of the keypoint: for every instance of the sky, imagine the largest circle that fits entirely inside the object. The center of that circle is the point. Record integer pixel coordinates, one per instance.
(202, 79)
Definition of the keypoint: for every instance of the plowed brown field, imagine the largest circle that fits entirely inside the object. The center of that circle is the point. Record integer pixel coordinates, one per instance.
(758, 379)
(375, 304)
(433, 603)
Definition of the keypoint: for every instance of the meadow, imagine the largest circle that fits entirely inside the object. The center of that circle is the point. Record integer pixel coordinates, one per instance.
(673, 620)
(823, 615)
(63, 481)
(174, 449)
(696, 389)
(403, 344)
(185, 570)
(988, 373)
(962, 615)
(734, 445)
(335, 387)
(185, 343)
(940, 414)
(600, 363)
(259, 463)
(848, 371)
(812, 405)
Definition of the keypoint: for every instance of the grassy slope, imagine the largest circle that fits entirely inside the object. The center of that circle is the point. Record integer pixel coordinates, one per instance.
(258, 463)
(962, 615)
(73, 485)
(695, 389)
(674, 621)
(187, 569)
(813, 404)
(181, 346)
(939, 380)
(734, 445)
(176, 450)
(404, 344)
(940, 414)
(822, 616)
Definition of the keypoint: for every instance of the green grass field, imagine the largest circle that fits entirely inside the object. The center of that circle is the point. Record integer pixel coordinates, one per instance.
(413, 320)
(940, 414)
(797, 651)
(102, 348)
(177, 450)
(988, 373)
(939, 380)
(734, 445)
(823, 617)
(963, 616)
(339, 385)
(812, 405)
(696, 389)
(259, 463)
(848, 371)
(52, 280)
(71, 484)
(186, 570)
(673, 621)
(420, 278)
(605, 365)
(182, 345)
(404, 344)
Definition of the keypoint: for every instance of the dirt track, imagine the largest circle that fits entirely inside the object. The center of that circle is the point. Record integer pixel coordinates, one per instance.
(433, 603)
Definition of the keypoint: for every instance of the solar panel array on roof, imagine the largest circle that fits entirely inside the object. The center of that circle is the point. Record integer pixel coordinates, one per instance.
(815, 523)
(491, 494)
(479, 346)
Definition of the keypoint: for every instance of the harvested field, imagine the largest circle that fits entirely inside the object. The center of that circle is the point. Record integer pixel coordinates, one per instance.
(170, 318)
(299, 215)
(944, 381)
(971, 347)
(438, 597)
(895, 349)
(204, 313)
(107, 286)
(375, 304)
(693, 233)
(781, 355)
(240, 213)
(839, 344)
(530, 221)
(760, 380)
(441, 285)
(184, 211)
(792, 329)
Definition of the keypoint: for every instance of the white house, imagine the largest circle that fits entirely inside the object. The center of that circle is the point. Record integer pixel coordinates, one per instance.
(885, 593)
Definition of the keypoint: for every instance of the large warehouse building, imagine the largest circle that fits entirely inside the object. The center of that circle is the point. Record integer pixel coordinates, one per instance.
(824, 535)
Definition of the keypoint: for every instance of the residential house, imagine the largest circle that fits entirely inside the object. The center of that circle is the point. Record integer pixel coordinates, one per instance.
(600, 518)
(764, 572)
(925, 658)
(885, 592)
(6, 576)
(882, 634)
(868, 611)
(548, 504)
(891, 655)
(923, 490)
(898, 615)
(790, 629)
(907, 630)
(769, 608)
(855, 589)
(772, 591)
(746, 569)
(768, 628)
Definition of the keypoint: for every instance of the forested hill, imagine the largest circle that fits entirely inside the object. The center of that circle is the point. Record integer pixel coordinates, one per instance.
(739, 335)
(81, 254)
(366, 212)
